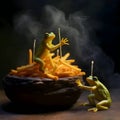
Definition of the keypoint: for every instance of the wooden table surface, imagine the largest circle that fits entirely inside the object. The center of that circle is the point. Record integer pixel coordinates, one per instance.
(9, 112)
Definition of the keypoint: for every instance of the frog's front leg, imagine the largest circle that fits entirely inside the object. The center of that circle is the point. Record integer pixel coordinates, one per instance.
(64, 41)
(91, 99)
(41, 62)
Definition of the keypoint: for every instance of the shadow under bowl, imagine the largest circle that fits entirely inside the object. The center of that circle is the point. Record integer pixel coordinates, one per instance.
(42, 92)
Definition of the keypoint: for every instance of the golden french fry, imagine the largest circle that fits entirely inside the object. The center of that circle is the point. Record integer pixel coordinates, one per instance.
(30, 56)
(55, 67)
(65, 56)
(13, 71)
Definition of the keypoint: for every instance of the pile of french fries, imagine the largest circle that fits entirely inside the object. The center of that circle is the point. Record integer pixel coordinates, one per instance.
(55, 67)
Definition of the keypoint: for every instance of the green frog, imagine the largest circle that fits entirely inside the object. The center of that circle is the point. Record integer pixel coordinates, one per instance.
(100, 97)
(46, 47)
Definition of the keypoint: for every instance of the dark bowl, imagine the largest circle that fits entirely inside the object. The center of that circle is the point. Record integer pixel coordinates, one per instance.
(42, 92)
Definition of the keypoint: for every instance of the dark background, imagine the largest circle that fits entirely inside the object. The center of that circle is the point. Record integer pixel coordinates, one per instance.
(103, 20)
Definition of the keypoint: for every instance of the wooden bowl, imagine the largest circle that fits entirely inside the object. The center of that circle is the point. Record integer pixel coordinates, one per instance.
(42, 92)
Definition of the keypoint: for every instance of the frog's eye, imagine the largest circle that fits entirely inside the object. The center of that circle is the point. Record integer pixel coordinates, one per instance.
(95, 78)
(46, 34)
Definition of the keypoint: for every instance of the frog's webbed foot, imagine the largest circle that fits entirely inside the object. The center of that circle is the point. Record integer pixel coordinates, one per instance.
(86, 104)
(83, 104)
(94, 109)
(78, 104)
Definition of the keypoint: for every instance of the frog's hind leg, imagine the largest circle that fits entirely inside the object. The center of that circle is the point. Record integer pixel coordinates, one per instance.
(41, 62)
(51, 60)
(103, 105)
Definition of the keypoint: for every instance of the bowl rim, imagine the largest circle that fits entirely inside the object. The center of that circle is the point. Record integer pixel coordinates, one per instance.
(16, 80)
(40, 79)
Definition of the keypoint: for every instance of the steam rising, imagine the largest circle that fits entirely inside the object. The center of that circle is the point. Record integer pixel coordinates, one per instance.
(76, 28)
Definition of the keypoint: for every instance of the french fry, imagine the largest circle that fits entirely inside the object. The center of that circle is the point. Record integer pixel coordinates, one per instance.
(25, 67)
(13, 71)
(55, 67)
(70, 61)
(71, 66)
(65, 56)
(30, 56)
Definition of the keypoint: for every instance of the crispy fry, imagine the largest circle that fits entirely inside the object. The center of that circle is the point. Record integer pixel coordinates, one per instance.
(52, 76)
(55, 67)
(70, 61)
(25, 67)
(71, 66)
(65, 56)
(13, 71)
(30, 56)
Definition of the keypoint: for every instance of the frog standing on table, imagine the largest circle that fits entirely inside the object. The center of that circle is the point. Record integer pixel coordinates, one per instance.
(100, 97)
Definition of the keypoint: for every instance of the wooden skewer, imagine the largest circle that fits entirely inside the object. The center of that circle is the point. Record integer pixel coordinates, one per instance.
(59, 42)
(34, 45)
(57, 52)
(92, 62)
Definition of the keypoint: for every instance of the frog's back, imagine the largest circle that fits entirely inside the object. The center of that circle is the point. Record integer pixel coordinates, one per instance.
(102, 92)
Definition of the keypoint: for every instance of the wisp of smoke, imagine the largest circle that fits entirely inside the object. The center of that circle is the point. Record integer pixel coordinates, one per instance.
(76, 28)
